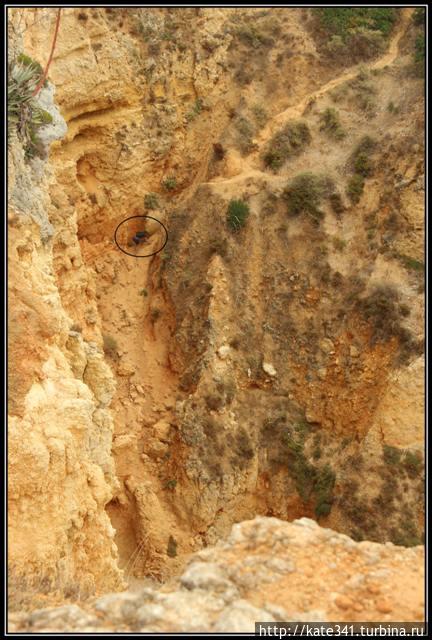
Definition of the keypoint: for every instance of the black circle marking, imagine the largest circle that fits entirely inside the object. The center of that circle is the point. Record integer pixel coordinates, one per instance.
(149, 254)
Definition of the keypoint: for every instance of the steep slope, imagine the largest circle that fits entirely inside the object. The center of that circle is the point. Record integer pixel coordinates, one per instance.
(274, 371)
(229, 587)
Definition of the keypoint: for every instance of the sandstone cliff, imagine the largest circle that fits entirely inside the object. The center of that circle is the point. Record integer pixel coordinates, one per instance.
(275, 370)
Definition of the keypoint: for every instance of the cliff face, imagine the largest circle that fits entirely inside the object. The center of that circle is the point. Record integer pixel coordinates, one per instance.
(61, 470)
(274, 371)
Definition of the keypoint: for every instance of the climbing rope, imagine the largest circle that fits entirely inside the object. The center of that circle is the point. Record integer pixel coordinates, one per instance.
(45, 73)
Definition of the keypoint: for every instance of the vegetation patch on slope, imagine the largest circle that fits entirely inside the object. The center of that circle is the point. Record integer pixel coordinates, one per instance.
(352, 34)
(238, 213)
(362, 166)
(291, 140)
(305, 193)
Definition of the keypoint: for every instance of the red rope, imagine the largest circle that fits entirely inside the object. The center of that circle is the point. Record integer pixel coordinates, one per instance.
(45, 73)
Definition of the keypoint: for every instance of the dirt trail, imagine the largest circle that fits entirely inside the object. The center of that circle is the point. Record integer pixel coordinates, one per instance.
(252, 162)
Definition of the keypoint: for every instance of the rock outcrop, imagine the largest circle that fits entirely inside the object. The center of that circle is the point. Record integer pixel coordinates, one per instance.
(266, 570)
(271, 369)
(61, 471)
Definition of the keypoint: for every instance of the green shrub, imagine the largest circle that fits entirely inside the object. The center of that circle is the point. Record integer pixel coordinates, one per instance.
(366, 43)
(408, 262)
(151, 201)
(25, 116)
(413, 463)
(344, 21)
(291, 140)
(294, 446)
(170, 484)
(330, 123)
(366, 145)
(303, 474)
(302, 428)
(419, 56)
(245, 134)
(367, 104)
(391, 455)
(238, 212)
(323, 489)
(335, 46)
(381, 308)
(322, 509)
(363, 165)
(169, 183)
(260, 114)
(291, 454)
(361, 159)
(168, 35)
(244, 127)
(305, 192)
(309, 479)
(252, 37)
(354, 508)
(356, 33)
(26, 61)
(144, 293)
(195, 111)
(392, 108)
(363, 93)
(407, 535)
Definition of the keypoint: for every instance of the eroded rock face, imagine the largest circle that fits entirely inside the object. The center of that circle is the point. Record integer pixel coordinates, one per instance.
(265, 570)
(236, 372)
(61, 473)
